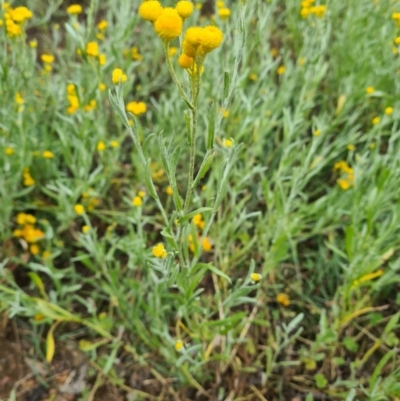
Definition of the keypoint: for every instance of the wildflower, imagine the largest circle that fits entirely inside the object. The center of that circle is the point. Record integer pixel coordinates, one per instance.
(135, 54)
(184, 8)
(369, 90)
(28, 180)
(79, 209)
(47, 154)
(142, 194)
(343, 184)
(207, 244)
(198, 220)
(24, 218)
(74, 9)
(318, 11)
(172, 51)
(255, 277)
(253, 77)
(91, 106)
(351, 147)
(92, 49)
(102, 25)
(29, 233)
(301, 61)
(211, 38)
(317, 132)
(100, 146)
(19, 99)
(224, 13)
(137, 201)
(33, 43)
(376, 120)
(168, 190)
(169, 24)
(283, 299)
(9, 151)
(46, 254)
(102, 87)
(114, 144)
(372, 146)
(85, 229)
(150, 10)
(185, 61)
(179, 345)
(102, 59)
(118, 76)
(281, 70)
(136, 108)
(389, 111)
(228, 143)
(159, 251)
(47, 58)
(34, 249)
(20, 14)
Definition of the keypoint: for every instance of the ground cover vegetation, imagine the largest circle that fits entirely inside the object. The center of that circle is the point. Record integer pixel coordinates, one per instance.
(202, 199)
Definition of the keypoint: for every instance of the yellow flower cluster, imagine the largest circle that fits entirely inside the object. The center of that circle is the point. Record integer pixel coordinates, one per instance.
(28, 231)
(74, 9)
(27, 178)
(118, 76)
(348, 179)
(136, 108)
(92, 50)
(207, 244)
(133, 53)
(159, 251)
(283, 299)
(307, 9)
(223, 12)
(198, 221)
(72, 98)
(15, 18)
(48, 60)
(396, 17)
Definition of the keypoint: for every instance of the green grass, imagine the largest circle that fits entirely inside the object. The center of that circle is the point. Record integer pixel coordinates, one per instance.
(278, 211)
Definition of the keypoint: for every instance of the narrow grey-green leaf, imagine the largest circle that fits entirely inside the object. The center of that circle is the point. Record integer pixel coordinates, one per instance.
(227, 81)
(211, 127)
(205, 165)
(190, 215)
(214, 270)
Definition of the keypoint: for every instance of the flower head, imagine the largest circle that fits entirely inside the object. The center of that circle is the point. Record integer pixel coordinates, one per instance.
(283, 299)
(92, 49)
(47, 58)
(47, 154)
(389, 111)
(159, 251)
(255, 277)
(169, 24)
(20, 14)
(224, 13)
(79, 209)
(179, 345)
(136, 108)
(137, 201)
(184, 8)
(74, 9)
(118, 76)
(185, 61)
(150, 10)
(211, 38)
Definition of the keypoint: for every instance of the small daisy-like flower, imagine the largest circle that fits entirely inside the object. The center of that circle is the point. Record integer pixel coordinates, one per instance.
(102, 87)
(92, 49)
(179, 345)
(114, 144)
(102, 59)
(185, 61)
(142, 194)
(255, 277)
(228, 143)
(389, 111)
(211, 38)
(283, 299)
(74, 9)
(317, 132)
(47, 58)
(184, 8)
(224, 13)
(137, 201)
(118, 76)
(351, 147)
(343, 184)
(172, 51)
(253, 77)
(159, 251)
(34, 249)
(168, 190)
(207, 244)
(101, 146)
(169, 24)
(369, 90)
(281, 70)
(85, 229)
(79, 209)
(376, 120)
(102, 25)
(150, 10)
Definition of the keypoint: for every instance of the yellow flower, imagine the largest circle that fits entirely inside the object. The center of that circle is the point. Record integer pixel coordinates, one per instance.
(92, 49)
(253, 77)
(281, 70)
(137, 201)
(118, 76)
(207, 244)
(9, 151)
(168, 25)
(198, 220)
(74, 9)
(85, 229)
(33, 44)
(376, 120)
(102, 59)
(184, 8)
(136, 108)
(283, 299)
(389, 110)
(142, 194)
(224, 13)
(135, 54)
(150, 10)
(228, 143)
(100, 146)
(79, 209)
(18, 98)
(168, 190)
(28, 180)
(47, 58)
(351, 147)
(20, 14)
(47, 154)
(114, 144)
(317, 132)
(24, 218)
(34, 249)
(185, 61)
(159, 251)
(29, 233)
(102, 87)
(369, 90)
(211, 38)
(46, 254)
(172, 51)
(343, 184)
(91, 106)
(318, 11)
(255, 277)
(179, 345)
(102, 25)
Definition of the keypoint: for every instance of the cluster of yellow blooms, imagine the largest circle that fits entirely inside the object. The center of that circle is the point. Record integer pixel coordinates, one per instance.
(92, 50)
(28, 231)
(348, 180)
(15, 19)
(73, 100)
(133, 53)
(101, 26)
(199, 223)
(307, 9)
(223, 12)
(74, 9)
(136, 108)
(28, 180)
(138, 200)
(159, 251)
(396, 17)
(168, 24)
